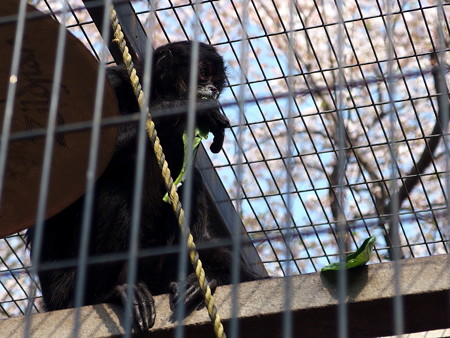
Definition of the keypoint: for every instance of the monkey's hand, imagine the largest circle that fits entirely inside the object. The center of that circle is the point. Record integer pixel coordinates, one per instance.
(143, 305)
(210, 118)
(193, 297)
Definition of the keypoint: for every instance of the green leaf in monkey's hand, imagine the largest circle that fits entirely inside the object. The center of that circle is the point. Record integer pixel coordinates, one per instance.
(358, 258)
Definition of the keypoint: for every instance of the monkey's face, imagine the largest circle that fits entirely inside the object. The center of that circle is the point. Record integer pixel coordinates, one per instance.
(208, 83)
(172, 72)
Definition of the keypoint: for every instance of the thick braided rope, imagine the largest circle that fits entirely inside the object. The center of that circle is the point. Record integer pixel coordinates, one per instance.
(173, 195)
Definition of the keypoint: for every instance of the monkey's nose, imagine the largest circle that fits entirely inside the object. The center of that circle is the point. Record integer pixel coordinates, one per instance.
(213, 90)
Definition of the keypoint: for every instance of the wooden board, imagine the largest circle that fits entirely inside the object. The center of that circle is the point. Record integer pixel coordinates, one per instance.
(21, 181)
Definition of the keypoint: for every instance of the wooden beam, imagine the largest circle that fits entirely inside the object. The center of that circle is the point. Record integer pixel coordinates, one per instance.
(425, 285)
(131, 26)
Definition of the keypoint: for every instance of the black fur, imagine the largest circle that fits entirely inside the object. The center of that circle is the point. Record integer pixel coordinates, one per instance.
(106, 282)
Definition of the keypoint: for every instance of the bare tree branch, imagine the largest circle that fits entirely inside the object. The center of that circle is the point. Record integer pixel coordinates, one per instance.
(431, 143)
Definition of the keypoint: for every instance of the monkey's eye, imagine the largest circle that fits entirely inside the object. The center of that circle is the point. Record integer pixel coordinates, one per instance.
(202, 74)
(204, 71)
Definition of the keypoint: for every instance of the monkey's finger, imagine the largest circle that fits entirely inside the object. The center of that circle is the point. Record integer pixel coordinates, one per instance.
(138, 321)
(144, 309)
(178, 298)
(213, 285)
(150, 306)
(175, 292)
(121, 291)
(189, 288)
(194, 295)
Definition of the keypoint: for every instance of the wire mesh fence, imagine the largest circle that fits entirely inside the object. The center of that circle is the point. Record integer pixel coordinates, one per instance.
(338, 113)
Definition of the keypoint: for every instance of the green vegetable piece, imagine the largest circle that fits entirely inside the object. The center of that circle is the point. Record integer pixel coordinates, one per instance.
(358, 258)
(199, 135)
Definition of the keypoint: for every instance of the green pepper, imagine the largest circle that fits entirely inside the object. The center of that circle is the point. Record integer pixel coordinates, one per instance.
(358, 258)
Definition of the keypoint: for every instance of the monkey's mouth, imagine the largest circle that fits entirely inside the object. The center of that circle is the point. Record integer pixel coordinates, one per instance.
(206, 94)
(202, 96)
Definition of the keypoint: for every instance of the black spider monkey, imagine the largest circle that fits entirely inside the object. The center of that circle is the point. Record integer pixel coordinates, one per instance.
(106, 282)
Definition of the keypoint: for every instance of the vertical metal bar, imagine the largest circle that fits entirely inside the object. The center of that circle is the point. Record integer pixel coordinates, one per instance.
(91, 173)
(341, 221)
(235, 227)
(289, 161)
(188, 182)
(398, 305)
(139, 178)
(47, 160)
